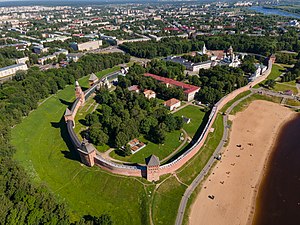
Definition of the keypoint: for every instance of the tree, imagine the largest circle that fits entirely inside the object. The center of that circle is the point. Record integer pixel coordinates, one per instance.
(170, 122)
(127, 150)
(147, 124)
(157, 135)
(91, 118)
(97, 135)
(179, 122)
(270, 83)
(121, 139)
(248, 67)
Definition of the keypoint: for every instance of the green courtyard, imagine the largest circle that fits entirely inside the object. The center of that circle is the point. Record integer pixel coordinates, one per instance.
(172, 143)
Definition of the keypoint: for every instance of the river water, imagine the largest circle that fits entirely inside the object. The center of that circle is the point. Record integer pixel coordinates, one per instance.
(278, 200)
(277, 12)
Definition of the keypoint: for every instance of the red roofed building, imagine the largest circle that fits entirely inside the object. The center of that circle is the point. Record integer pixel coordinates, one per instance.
(172, 104)
(188, 89)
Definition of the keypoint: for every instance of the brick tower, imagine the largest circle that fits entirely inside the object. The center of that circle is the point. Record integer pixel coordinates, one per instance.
(79, 93)
(153, 168)
(87, 153)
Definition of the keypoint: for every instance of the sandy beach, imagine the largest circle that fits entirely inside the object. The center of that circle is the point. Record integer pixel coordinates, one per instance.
(234, 181)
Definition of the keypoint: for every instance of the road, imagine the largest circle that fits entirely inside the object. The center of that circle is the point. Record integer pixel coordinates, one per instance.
(207, 167)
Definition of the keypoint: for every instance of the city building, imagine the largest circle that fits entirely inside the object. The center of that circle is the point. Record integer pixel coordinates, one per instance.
(40, 49)
(93, 79)
(11, 70)
(188, 89)
(22, 60)
(74, 56)
(260, 69)
(90, 45)
(153, 168)
(172, 104)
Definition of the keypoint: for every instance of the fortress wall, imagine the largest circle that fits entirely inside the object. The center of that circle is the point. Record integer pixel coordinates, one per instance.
(181, 160)
(116, 170)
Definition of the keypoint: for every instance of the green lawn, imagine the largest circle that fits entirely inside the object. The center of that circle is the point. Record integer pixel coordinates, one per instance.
(172, 142)
(292, 102)
(166, 201)
(276, 71)
(196, 116)
(228, 104)
(284, 87)
(42, 149)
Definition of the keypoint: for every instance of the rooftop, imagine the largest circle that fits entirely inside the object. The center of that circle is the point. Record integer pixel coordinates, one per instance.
(187, 88)
(153, 161)
(93, 77)
(171, 102)
(12, 66)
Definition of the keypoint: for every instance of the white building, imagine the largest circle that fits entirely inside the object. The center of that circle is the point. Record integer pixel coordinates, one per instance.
(172, 104)
(195, 67)
(11, 70)
(90, 45)
(22, 60)
(260, 69)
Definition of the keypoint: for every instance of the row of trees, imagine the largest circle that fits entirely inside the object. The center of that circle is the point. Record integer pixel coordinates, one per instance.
(286, 58)
(22, 202)
(125, 115)
(264, 45)
(165, 47)
(293, 74)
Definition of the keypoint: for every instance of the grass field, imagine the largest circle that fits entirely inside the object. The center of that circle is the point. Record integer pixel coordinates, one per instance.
(276, 71)
(292, 102)
(285, 87)
(196, 116)
(42, 149)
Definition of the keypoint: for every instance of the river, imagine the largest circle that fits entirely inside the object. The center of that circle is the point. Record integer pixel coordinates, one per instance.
(278, 199)
(277, 12)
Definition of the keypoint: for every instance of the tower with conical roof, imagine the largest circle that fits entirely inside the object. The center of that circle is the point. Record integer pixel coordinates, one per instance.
(93, 79)
(153, 168)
